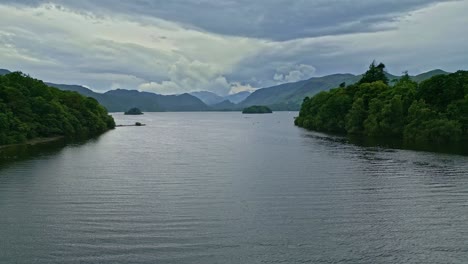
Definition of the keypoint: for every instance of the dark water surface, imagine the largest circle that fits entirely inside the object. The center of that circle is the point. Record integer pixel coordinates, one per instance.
(230, 188)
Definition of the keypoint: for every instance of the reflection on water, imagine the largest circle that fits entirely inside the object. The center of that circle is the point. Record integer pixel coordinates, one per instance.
(389, 144)
(222, 188)
(23, 152)
(17, 153)
(453, 148)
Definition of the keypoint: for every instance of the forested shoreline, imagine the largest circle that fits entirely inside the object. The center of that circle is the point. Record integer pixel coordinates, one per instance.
(434, 111)
(30, 109)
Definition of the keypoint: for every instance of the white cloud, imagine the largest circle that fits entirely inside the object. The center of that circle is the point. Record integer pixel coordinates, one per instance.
(293, 73)
(238, 87)
(118, 50)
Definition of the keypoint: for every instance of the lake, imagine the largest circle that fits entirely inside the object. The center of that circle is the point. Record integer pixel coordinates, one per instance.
(230, 188)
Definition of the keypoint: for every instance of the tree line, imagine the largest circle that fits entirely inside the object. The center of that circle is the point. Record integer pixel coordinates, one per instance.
(30, 109)
(434, 111)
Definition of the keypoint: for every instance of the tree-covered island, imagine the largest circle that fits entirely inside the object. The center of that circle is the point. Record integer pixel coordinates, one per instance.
(133, 111)
(257, 109)
(434, 111)
(29, 109)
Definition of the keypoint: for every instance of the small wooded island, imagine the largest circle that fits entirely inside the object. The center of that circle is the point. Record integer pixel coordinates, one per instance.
(257, 109)
(134, 111)
(434, 111)
(29, 109)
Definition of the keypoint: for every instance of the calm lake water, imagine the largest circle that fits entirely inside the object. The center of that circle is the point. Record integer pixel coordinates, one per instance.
(230, 188)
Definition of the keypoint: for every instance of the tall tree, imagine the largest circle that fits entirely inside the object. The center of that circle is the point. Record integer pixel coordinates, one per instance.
(374, 74)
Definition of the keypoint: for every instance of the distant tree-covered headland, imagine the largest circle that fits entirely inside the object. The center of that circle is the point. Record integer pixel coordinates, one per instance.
(434, 111)
(30, 109)
(257, 109)
(133, 111)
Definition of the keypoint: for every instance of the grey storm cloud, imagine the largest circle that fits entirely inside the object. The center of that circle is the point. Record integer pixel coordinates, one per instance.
(269, 19)
(225, 46)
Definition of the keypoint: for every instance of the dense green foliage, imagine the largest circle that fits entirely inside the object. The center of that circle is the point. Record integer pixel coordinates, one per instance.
(133, 111)
(31, 109)
(375, 73)
(434, 111)
(257, 109)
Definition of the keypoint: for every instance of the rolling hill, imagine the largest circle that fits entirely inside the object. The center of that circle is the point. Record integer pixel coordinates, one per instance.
(225, 105)
(121, 100)
(427, 75)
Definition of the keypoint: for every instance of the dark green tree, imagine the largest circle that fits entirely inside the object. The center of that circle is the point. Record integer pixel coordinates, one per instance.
(30, 109)
(435, 111)
(374, 74)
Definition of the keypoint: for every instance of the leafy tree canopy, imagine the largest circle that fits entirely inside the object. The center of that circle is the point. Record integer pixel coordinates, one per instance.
(374, 74)
(434, 111)
(31, 109)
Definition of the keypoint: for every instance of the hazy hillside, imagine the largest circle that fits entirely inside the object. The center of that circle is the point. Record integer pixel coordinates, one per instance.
(121, 100)
(238, 97)
(427, 75)
(417, 78)
(208, 98)
(76, 88)
(225, 105)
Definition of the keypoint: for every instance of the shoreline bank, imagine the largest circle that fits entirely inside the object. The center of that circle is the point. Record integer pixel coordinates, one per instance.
(34, 141)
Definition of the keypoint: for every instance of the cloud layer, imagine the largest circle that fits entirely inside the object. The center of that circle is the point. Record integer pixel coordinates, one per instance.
(225, 46)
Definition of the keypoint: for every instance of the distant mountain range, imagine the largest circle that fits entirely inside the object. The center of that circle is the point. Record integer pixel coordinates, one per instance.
(288, 96)
(121, 100)
(210, 98)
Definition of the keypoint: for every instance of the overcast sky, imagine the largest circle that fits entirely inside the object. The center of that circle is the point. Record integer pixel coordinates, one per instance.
(226, 46)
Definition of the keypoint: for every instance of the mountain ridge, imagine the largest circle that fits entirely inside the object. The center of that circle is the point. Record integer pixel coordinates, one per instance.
(121, 100)
(286, 96)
